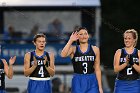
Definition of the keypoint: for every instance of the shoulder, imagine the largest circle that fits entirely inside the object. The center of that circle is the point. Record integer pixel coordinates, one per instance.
(118, 52)
(138, 52)
(51, 54)
(95, 48)
(28, 54)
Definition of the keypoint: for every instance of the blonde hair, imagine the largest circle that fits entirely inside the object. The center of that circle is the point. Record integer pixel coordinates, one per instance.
(134, 34)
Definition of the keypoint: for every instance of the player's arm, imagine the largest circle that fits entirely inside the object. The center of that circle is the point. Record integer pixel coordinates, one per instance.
(117, 66)
(68, 49)
(9, 69)
(27, 69)
(51, 67)
(97, 67)
(137, 67)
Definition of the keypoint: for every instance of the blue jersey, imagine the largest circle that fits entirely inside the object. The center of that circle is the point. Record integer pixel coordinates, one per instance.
(128, 73)
(2, 76)
(84, 79)
(83, 62)
(40, 70)
(128, 79)
(39, 81)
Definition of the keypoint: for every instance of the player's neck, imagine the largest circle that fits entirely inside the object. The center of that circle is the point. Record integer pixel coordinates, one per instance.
(39, 52)
(129, 50)
(83, 45)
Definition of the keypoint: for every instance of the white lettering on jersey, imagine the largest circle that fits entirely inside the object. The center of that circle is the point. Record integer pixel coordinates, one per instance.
(84, 58)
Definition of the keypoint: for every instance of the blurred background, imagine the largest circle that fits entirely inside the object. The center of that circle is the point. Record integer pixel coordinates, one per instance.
(106, 20)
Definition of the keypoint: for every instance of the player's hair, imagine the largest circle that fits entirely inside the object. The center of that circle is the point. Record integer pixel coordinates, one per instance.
(134, 34)
(78, 29)
(39, 35)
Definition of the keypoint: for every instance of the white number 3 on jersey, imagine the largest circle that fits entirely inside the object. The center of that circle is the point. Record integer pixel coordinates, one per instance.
(85, 68)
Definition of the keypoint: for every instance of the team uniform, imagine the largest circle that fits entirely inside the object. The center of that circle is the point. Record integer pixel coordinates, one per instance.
(84, 79)
(127, 80)
(2, 78)
(39, 81)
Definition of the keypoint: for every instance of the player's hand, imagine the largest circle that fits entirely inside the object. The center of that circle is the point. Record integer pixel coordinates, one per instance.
(46, 62)
(4, 62)
(12, 60)
(35, 62)
(127, 59)
(100, 90)
(130, 59)
(74, 36)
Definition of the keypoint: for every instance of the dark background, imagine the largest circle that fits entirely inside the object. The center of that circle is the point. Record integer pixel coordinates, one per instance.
(117, 16)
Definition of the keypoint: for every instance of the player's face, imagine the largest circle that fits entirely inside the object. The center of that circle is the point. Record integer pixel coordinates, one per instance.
(129, 41)
(40, 43)
(83, 36)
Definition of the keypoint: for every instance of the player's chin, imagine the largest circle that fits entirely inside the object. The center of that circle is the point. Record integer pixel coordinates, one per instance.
(84, 41)
(127, 45)
(41, 48)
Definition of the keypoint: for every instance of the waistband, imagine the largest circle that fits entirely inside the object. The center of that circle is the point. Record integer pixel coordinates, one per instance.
(84, 74)
(35, 78)
(128, 79)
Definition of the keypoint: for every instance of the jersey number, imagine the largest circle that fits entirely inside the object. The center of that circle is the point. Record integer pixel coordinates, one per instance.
(129, 71)
(41, 72)
(85, 68)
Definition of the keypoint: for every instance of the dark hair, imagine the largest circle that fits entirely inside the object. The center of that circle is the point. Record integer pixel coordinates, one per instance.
(78, 29)
(39, 35)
